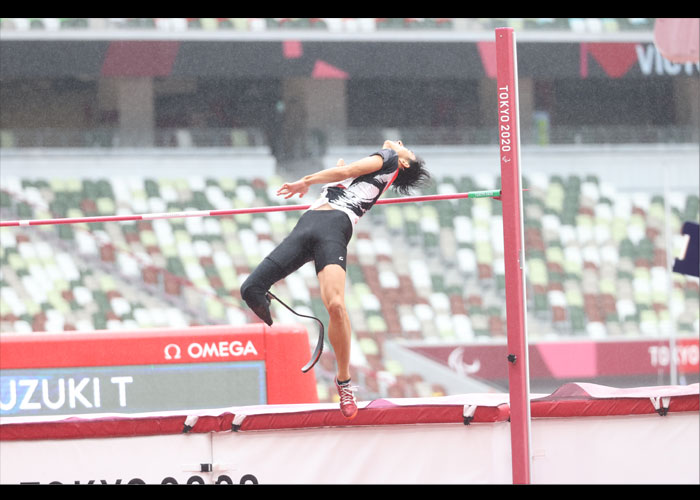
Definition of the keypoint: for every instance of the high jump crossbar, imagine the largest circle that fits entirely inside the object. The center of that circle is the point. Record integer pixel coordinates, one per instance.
(238, 211)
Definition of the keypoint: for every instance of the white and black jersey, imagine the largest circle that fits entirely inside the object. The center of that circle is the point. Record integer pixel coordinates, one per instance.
(355, 196)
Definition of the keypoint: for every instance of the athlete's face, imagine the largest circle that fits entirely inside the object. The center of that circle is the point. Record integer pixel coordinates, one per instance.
(404, 153)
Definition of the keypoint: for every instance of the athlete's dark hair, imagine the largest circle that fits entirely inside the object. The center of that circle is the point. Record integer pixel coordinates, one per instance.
(413, 177)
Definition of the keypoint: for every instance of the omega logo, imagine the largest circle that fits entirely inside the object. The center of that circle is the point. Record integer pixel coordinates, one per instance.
(172, 351)
(222, 349)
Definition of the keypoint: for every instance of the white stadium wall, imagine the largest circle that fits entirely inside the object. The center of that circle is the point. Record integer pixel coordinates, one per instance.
(581, 433)
(630, 167)
(138, 163)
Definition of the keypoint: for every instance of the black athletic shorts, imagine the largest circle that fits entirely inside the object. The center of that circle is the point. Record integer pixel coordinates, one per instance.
(321, 236)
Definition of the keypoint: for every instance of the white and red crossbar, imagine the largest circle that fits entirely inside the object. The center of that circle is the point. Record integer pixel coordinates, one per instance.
(236, 211)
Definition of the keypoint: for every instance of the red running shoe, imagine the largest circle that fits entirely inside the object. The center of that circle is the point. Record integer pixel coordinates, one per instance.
(348, 406)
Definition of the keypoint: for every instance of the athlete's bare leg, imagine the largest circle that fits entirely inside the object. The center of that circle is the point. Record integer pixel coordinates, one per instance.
(332, 283)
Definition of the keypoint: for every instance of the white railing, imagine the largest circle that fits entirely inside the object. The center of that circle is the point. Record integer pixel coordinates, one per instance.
(346, 25)
(317, 141)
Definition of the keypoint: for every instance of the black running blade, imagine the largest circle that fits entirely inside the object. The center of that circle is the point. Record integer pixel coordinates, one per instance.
(317, 352)
(321, 331)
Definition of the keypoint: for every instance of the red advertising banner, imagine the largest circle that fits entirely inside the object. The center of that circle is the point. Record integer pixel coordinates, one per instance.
(584, 359)
(115, 348)
(153, 370)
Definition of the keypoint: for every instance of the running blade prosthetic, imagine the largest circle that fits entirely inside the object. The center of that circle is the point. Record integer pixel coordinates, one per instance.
(321, 335)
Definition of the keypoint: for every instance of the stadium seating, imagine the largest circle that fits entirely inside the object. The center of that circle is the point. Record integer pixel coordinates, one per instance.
(434, 272)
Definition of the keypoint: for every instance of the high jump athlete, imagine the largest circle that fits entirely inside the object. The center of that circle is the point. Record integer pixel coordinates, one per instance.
(322, 234)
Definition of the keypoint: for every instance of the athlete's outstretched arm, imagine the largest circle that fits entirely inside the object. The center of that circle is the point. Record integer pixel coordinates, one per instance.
(338, 173)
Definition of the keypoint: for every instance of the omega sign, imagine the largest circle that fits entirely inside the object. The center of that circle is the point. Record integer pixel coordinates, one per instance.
(209, 350)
